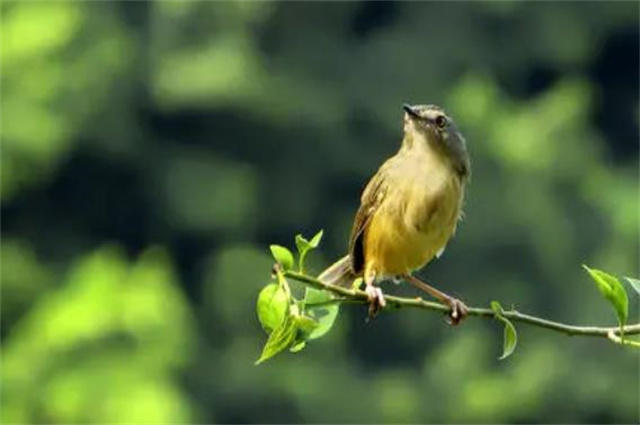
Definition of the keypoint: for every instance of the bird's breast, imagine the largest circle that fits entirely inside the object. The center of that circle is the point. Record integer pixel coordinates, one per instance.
(416, 220)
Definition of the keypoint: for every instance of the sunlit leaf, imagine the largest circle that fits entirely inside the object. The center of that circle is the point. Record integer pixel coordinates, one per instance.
(272, 306)
(104, 298)
(324, 315)
(635, 283)
(283, 256)
(32, 29)
(611, 288)
(281, 338)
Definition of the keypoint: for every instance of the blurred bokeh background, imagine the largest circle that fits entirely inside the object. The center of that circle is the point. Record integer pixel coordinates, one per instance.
(152, 151)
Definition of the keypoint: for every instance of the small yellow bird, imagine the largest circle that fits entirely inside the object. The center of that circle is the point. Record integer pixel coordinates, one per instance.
(409, 209)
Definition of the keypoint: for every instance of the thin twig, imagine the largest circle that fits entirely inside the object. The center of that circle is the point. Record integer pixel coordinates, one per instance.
(618, 340)
(333, 302)
(356, 295)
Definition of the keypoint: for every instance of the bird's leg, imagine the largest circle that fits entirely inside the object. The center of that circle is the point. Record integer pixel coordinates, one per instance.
(374, 294)
(458, 309)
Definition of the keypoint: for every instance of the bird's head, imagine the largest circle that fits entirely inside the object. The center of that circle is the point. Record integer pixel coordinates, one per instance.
(431, 126)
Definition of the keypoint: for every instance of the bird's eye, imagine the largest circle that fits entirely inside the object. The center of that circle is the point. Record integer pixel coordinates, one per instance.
(441, 121)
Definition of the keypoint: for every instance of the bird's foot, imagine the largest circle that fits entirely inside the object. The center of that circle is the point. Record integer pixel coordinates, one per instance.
(376, 300)
(458, 310)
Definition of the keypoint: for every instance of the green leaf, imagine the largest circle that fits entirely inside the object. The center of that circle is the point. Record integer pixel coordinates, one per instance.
(325, 315)
(303, 247)
(306, 324)
(283, 256)
(302, 244)
(510, 339)
(272, 306)
(281, 338)
(510, 336)
(298, 346)
(635, 283)
(315, 241)
(356, 283)
(496, 307)
(611, 288)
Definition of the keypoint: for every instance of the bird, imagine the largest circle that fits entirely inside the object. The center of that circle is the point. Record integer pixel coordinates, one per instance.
(409, 210)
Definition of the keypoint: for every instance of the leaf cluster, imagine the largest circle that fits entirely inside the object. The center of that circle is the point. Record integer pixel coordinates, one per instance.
(289, 320)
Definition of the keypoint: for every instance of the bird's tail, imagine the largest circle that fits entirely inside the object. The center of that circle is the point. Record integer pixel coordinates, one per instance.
(339, 273)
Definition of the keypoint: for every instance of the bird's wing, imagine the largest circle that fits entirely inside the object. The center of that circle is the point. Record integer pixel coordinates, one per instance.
(372, 197)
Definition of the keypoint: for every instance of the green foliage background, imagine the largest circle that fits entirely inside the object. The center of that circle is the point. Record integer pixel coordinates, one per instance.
(152, 151)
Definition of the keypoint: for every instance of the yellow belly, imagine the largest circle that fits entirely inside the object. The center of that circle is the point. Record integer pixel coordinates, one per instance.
(411, 226)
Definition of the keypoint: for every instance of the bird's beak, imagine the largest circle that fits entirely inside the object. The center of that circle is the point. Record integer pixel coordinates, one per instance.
(410, 110)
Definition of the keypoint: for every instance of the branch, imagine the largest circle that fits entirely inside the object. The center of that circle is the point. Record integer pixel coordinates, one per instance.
(360, 297)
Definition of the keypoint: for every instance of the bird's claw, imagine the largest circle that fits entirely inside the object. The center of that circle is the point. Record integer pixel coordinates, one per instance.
(458, 311)
(376, 300)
